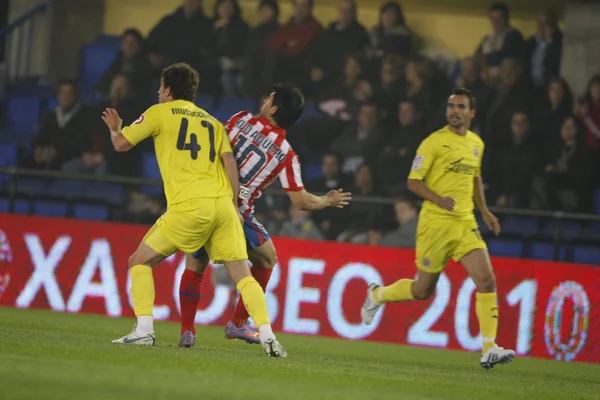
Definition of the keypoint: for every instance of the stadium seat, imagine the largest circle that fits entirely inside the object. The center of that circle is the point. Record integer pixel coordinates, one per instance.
(4, 205)
(150, 170)
(105, 192)
(97, 213)
(525, 227)
(49, 105)
(31, 186)
(207, 103)
(50, 208)
(542, 251)
(587, 255)
(23, 113)
(569, 230)
(593, 232)
(95, 61)
(109, 41)
(506, 248)
(64, 189)
(22, 207)
(8, 154)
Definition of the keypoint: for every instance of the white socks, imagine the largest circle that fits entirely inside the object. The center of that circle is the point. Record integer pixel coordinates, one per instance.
(266, 333)
(145, 325)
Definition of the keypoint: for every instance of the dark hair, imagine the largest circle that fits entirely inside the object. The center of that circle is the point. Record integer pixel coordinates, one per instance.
(136, 34)
(552, 18)
(466, 92)
(237, 10)
(290, 103)
(69, 82)
(183, 81)
(339, 158)
(396, 7)
(270, 3)
(593, 81)
(503, 8)
(567, 101)
(405, 199)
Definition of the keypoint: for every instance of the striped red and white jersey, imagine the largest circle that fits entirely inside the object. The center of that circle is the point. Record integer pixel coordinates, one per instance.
(263, 154)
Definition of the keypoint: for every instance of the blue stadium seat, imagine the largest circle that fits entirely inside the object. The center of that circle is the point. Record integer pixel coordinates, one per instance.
(506, 248)
(150, 170)
(587, 255)
(23, 113)
(8, 154)
(31, 186)
(232, 105)
(525, 227)
(570, 230)
(95, 61)
(64, 189)
(207, 103)
(542, 251)
(106, 192)
(49, 105)
(593, 232)
(22, 207)
(97, 213)
(3, 205)
(109, 41)
(50, 208)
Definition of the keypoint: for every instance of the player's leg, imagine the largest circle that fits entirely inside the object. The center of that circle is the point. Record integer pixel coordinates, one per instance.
(472, 254)
(431, 258)
(227, 244)
(190, 291)
(154, 248)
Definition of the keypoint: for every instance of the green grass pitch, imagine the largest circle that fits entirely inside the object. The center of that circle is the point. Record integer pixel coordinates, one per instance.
(45, 355)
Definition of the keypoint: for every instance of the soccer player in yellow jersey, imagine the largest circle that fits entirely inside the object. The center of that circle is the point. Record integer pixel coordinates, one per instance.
(446, 173)
(201, 185)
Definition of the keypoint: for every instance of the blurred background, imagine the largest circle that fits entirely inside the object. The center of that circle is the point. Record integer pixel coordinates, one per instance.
(376, 76)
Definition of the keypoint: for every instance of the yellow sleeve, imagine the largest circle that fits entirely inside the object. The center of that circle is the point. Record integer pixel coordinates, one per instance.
(225, 143)
(423, 159)
(148, 124)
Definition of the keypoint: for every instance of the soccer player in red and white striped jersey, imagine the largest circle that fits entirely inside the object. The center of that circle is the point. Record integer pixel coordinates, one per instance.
(263, 155)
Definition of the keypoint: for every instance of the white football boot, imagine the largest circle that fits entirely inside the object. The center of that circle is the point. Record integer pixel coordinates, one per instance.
(496, 355)
(370, 306)
(136, 338)
(274, 349)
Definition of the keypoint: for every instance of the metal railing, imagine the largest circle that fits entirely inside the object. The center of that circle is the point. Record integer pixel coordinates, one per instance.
(133, 182)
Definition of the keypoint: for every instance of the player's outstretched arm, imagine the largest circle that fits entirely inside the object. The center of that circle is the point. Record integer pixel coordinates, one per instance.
(114, 122)
(419, 188)
(309, 202)
(479, 194)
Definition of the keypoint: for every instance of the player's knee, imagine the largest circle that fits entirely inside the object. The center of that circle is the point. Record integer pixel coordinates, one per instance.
(486, 283)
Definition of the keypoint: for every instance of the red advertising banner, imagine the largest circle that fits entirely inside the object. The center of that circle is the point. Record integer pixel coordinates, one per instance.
(547, 309)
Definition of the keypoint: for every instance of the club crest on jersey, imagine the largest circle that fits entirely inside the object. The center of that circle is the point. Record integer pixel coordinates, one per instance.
(426, 262)
(139, 120)
(476, 152)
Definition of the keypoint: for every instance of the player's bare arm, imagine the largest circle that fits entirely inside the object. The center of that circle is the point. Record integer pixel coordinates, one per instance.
(111, 118)
(309, 202)
(479, 195)
(419, 188)
(231, 169)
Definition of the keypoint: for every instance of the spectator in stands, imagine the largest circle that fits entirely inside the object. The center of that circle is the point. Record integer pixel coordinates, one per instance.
(504, 42)
(513, 95)
(471, 79)
(565, 184)
(418, 89)
(588, 111)
(122, 99)
(256, 47)
(185, 36)
(407, 218)
(399, 148)
(342, 38)
(556, 107)
(389, 90)
(544, 51)
(515, 165)
(391, 35)
(64, 132)
(331, 221)
(359, 142)
(292, 45)
(300, 225)
(132, 61)
(228, 43)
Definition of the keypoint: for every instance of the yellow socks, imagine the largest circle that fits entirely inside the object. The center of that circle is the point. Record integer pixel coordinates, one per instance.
(486, 306)
(142, 290)
(254, 300)
(398, 291)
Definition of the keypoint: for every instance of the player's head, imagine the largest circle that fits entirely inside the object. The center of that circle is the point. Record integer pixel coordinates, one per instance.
(460, 109)
(284, 105)
(178, 82)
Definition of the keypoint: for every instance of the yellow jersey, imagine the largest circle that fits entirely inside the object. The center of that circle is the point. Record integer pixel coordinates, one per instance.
(188, 143)
(448, 163)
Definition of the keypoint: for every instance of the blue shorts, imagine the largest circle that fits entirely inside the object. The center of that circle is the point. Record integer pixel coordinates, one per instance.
(255, 233)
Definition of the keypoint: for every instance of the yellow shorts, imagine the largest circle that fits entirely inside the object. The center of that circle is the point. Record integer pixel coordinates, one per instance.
(211, 223)
(440, 240)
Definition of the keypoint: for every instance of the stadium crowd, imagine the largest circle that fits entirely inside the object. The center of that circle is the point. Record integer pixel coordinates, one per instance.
(378, 97)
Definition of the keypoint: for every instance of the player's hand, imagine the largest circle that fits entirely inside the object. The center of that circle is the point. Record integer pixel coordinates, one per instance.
(338, 198)
(492, 222)
(111, 118)
(447, 203)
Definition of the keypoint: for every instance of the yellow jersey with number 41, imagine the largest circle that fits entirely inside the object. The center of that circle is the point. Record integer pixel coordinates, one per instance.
(188, 143)
(449, 163)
